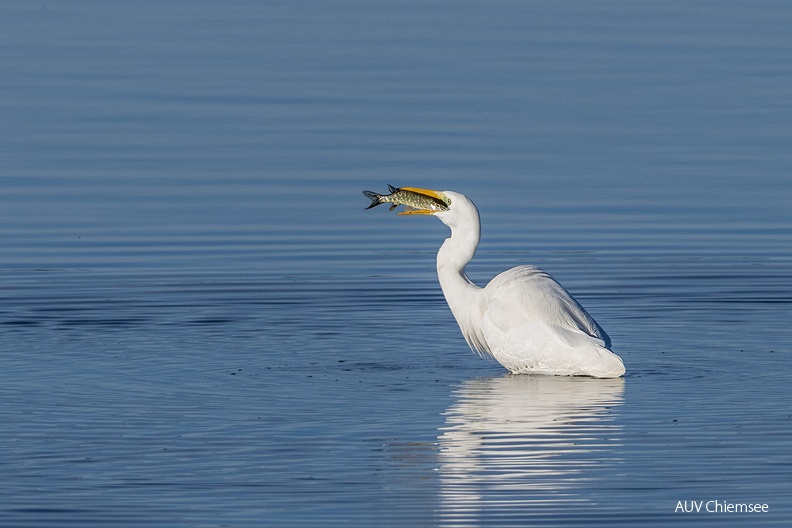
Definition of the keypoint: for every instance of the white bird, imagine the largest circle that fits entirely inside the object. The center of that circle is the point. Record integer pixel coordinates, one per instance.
(523, 318)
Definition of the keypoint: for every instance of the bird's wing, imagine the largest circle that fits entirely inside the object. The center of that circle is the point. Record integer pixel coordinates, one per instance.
(527, 295)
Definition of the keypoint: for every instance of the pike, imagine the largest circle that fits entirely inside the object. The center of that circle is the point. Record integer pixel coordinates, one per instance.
(418, 201)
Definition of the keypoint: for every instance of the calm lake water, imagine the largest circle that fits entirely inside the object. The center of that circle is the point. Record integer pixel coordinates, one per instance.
(201, 326)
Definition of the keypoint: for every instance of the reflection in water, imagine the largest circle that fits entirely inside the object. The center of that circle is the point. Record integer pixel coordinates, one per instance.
(523, 445)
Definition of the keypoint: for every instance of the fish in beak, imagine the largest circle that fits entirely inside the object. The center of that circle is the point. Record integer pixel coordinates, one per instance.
(416, 200)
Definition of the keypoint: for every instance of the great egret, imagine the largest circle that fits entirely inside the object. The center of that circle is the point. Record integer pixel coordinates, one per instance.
(523, 318)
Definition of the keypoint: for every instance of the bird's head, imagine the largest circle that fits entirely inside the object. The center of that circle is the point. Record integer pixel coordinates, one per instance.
(459, 211)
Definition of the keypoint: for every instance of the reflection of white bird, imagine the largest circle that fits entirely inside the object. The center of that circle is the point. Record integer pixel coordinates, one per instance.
(523, 317)
(526, 445)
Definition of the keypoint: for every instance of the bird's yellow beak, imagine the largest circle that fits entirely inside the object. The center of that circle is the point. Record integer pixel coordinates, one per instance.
(437, 195)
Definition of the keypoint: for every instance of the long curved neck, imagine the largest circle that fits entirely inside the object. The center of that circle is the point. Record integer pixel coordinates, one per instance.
(453, 256)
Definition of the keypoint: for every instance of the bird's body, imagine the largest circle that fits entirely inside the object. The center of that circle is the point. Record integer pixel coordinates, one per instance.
(530, 324)
(523, 318)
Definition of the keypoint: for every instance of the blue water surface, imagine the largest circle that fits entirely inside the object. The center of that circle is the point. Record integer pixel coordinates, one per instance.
(201, 326)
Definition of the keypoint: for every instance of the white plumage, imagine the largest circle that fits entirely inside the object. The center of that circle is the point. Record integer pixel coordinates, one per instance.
(523, 318)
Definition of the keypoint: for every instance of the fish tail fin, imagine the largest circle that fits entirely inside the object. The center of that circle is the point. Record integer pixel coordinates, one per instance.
(375, 198)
